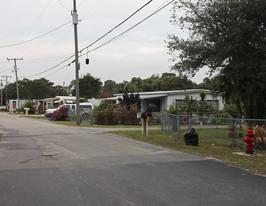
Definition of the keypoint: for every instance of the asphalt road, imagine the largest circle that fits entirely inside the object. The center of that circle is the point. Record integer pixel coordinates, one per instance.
(45, 164)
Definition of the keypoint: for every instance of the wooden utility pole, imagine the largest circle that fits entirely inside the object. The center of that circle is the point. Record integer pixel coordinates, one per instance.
(6, 90)
(1, 93)
(16, 72)
(63, 88)
(75, 22)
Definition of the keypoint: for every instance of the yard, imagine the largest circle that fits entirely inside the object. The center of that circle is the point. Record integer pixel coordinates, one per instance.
(213, 143)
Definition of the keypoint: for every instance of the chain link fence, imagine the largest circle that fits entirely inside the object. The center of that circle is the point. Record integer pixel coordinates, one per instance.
(222, 130)
(218, 130)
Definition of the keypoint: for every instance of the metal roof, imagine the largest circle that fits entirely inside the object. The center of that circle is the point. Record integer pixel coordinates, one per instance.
(186, 91)
(140, 96)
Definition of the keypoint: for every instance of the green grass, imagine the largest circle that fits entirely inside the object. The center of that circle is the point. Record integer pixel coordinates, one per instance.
(68, 123)
(33, 116)
(212, 143)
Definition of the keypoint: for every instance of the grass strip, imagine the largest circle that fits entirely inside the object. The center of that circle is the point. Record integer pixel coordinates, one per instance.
(212, 143)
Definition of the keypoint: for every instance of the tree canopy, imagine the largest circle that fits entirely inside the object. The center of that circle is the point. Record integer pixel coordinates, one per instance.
(89, 87)
(33, 89)
(167, 81)
(227, 37)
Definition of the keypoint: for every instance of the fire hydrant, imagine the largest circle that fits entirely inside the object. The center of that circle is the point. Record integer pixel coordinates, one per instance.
(249, 140)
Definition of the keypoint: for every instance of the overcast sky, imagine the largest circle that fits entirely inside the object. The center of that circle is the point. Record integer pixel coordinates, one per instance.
(139, 53)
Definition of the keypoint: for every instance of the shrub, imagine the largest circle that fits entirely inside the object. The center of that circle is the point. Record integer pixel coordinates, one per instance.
(105, 106)
(100, 117)
(173, 110)
(124, 115)
(111, 117)
(133, 115)
(60, 114)
(260, 137)
(30, 105)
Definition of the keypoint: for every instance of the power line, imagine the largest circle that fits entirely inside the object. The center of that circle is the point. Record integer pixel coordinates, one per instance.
(23, 42)
(93, 42)
(90, 9)
(59, 69)
(116, 26)
(51, 67)
(121, 34)
(42, 13)
(46, 59)
(63, 6)
(109, 41)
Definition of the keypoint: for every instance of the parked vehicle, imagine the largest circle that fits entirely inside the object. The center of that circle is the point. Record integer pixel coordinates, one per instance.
(49, 112)
(3, 107)
(85, 107)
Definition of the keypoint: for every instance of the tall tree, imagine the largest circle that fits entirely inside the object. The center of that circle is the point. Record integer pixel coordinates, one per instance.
(151, 84)
(90, 86)
(42, 88)
(169, 81)
(30, 89)
(227, 36)
(137, 83)
(109, 85)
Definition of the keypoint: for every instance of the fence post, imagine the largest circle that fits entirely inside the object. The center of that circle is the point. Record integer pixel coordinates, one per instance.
(216, 121)
(178, 126)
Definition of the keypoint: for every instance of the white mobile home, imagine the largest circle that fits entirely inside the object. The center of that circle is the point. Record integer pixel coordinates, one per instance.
(159, 101)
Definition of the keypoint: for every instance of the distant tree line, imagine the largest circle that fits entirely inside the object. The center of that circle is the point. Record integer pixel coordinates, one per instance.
(32, 89)
(92, 87)
(165, 82)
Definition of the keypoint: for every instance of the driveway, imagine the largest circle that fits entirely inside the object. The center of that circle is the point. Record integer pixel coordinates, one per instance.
(42, 163)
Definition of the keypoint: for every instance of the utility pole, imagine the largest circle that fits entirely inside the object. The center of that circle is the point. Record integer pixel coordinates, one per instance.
(1, 93)
(75, 22)
(6, 90)
(16, 71)
(63, 88)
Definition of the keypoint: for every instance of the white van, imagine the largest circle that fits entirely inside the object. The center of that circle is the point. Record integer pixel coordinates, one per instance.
(85, 107)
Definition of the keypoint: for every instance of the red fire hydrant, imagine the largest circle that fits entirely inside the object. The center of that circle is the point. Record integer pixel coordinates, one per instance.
(249, 140)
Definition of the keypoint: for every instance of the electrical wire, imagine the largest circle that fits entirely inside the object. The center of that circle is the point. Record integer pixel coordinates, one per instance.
(121, 34)
(92, 7)
(23, 42)
(52, 67)
(63, 6)
(116, 26)
(57, 70)
(109, 41)
(45, 59)
(37, 21)
(94, 41)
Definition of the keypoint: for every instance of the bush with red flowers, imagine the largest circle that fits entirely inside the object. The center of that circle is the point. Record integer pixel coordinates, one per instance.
(61, 114)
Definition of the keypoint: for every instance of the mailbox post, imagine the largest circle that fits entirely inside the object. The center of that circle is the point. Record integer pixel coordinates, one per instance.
(145, 118)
